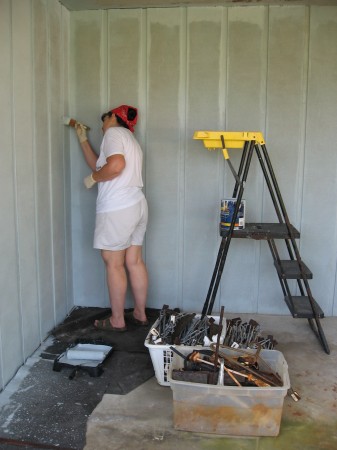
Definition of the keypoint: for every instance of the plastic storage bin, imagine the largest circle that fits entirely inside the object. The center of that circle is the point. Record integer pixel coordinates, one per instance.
(230, 410)
(162, 356)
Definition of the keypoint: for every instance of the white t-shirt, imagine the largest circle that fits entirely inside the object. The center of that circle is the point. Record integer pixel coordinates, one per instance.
(126, 189)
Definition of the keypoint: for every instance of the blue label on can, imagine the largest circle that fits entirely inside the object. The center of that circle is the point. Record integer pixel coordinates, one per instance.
(227, 214)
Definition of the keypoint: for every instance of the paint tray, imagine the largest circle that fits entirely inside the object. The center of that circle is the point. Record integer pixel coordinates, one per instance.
(87, 357)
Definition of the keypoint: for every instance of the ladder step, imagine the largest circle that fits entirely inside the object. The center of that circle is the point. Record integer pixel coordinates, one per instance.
(263, 231)
(300, 307)
(290, 270)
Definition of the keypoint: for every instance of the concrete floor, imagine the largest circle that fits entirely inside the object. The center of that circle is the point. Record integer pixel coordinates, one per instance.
(143, 419)
(125, 408)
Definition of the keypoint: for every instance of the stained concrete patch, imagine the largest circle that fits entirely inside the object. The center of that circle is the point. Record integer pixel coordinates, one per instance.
(47, 408)
(299, 435)
(144, 420)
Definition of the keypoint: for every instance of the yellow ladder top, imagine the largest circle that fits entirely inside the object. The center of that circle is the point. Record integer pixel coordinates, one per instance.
(233, 139)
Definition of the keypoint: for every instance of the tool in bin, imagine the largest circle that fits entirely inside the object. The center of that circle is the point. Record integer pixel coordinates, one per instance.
(294, 394)
(257, 379)
(178, 353)
(216, 353)
(221, 372)
(233, 367)
(231, 374)
(272, 378)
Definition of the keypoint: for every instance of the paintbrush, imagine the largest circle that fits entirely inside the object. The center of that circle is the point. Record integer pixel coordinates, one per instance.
(72, 123)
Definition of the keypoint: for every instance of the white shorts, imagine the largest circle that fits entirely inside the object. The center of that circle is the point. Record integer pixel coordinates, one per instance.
(118, 230)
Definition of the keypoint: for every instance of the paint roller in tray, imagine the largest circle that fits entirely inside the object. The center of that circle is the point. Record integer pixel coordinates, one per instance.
(73, 122)
(88, 352)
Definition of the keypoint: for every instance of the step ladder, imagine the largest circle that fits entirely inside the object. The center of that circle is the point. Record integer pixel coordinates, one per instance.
(300, 306)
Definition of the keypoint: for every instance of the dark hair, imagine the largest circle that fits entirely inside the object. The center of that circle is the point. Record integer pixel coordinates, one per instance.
(121, 122)
(107, 114)
(132, 113)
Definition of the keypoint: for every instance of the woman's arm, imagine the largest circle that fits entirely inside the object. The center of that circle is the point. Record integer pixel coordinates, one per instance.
(89, 155)
(114, 166)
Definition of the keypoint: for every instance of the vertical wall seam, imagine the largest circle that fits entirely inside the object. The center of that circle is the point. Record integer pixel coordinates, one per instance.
(15, 187)
(299, 213)
(63, 92)
(306, 94)
(223, 70)
(226, 89)
(37, 242)
(105, 91)
(223, 81)
(48, 56)
(105, 71)
(334, 290)
(143, 83)
(267, 37)
(3, 381)
(182, 149)
(65, 217)
(223, 88)
(146, 115)
(70, 111)
(143, 100)
(257, 244)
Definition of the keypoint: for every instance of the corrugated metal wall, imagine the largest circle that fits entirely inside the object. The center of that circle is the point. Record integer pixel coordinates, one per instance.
(272, 69)
(35, 273)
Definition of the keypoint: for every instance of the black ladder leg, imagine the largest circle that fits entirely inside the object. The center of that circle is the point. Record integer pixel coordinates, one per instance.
(214, 276)
(225, 242)
(273, 187)
(318, 330)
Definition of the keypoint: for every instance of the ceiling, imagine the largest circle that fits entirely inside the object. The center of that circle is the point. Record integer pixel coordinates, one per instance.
(82, 5)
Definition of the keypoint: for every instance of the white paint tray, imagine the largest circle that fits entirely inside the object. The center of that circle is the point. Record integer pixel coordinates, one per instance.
(88, 357)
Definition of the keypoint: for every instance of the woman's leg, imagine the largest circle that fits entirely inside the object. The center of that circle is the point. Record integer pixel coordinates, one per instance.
(117, 284)
(138, 279)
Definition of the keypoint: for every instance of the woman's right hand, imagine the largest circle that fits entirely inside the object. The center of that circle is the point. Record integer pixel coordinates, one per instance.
(81, 132)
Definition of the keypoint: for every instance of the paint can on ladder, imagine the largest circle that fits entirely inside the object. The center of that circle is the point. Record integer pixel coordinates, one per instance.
(227, 212)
